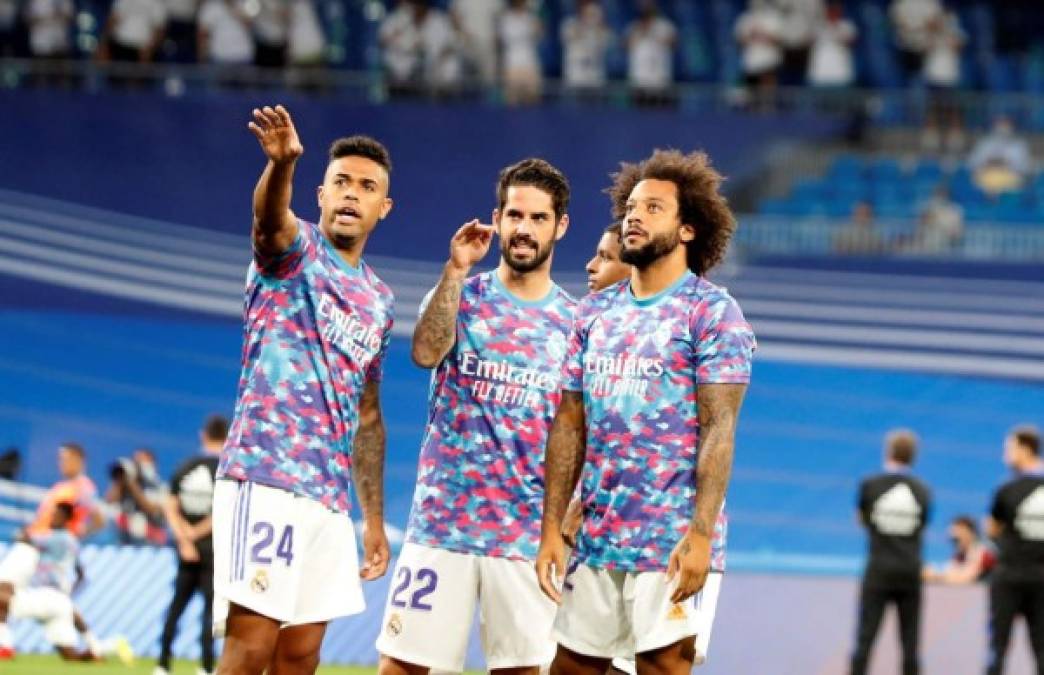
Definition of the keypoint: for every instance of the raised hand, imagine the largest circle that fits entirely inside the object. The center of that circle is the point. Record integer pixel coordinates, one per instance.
(469, 245)
(276, 133)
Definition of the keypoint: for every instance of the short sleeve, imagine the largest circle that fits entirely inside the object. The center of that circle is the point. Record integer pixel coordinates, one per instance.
(573, 367)
(177, 478)
(725, 343)
(999, 510)
(290, 262)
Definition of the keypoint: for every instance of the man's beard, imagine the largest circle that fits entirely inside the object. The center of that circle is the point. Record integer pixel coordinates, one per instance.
(523, 266)
(657, 247)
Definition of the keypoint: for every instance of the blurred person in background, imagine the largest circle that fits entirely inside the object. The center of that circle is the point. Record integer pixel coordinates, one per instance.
(189, 509)
(942, 75)
(9, 28)
(307, 44)
(940, 226)
(520, 31)
(224, 37)
(911, 24)
(894, 507)
(651, 39)
(133, 31)
(759, 31)
(799, 20)
(76, 488)
(179, 41)
(401, 49)
(477, 22)
(860, 236)
(139, 493)
(832, 64)
(271, 27)
(1016, 523)
(1000, 161)
(50, 28)
(972, 559)
(442, 51)
(586, 38)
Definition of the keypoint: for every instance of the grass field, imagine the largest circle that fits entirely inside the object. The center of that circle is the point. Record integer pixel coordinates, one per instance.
(34, 664)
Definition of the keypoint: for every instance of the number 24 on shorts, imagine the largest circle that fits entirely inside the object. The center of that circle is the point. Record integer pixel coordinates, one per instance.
(266, 533)
(428, 577)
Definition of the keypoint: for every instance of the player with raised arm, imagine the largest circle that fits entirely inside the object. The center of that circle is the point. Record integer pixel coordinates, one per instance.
(497, 341)
(655, 376)
(308, 418)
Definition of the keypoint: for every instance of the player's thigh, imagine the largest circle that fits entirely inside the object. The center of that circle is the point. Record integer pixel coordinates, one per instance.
(430, 606)
(51, 608)
(324, 552)
(591, 621)
(18, 565)
(254, 565)
(516, 616)
(657, 622)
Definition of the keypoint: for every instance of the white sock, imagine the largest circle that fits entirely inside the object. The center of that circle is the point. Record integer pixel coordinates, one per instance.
(93, 645)
(5, 636)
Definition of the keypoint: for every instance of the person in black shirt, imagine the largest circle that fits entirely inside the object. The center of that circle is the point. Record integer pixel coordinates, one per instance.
(894, 507)
(189, 514)
(1016, 522)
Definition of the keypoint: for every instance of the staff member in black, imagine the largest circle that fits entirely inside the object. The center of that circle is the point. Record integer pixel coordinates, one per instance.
(1016, 522)
(188, 512)
(894, 507)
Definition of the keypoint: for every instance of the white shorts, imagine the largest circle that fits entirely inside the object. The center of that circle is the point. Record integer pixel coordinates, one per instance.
(431, 605)
(52, 608)
(613, 614)
(283, 556)
(18, 566)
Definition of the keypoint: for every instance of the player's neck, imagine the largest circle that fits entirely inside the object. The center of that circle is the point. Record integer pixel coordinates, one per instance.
(659, 275)
(529, 286)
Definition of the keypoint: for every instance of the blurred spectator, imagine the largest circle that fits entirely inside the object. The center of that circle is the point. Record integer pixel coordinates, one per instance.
(586, 38)
(941, 225)
(799, 20)
(520, 32)
(179, 44)
(10, 463)
(912, 24)
(400, 40)
(477, 22)
(421, 49)
(759, 32)
(1000, 161)
(134, 30)
(271, 33)
(8, 27)
(831, 64)
(307, 41)
(972, 559)
(224, 36)
(441, 50)
(75, 488)
(860, 236)
(50, 28)
(942, 75)
(138, 492)
(650, 54)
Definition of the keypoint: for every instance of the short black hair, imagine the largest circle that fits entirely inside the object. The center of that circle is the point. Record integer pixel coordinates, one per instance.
(968, 522)
(538, 173)
(66, 509)
(902, 446)
(1028, 437)
(216, 428)
(75, 448)
(616, 228)
(361, 146)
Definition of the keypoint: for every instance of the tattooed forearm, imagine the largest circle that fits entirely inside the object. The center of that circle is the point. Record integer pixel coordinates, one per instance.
(719, 410)
(437, 329)
(564, 458)
(368, 455)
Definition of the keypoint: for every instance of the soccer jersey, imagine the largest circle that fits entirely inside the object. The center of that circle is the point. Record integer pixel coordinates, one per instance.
(58, 551)
(80, 492)
(480, 484)
(316, 330)
(639, 364)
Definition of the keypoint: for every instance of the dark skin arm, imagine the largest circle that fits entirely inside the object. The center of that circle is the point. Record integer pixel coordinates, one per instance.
(275, 225)
(719, 406)
(368, 473)
(562, 463)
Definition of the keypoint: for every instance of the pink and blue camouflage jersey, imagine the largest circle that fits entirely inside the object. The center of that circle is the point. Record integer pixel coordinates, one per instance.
(57, 564)
(639, 364)
(316, 330)
(480, 483)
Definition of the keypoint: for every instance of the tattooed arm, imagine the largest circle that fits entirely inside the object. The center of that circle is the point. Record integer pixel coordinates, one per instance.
(719, 406)
(368, 474)
(436, 332)
(562, 463)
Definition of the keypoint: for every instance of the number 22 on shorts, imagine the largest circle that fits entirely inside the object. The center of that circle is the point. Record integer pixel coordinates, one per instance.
(426, 581)
(265, 533)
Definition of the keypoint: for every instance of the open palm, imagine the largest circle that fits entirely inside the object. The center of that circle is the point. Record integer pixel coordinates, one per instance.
(276, 133)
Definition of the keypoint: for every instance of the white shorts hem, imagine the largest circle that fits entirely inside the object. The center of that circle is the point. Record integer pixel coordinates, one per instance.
(431, 664)
(659, 642)
(582, 648)
(538, 660)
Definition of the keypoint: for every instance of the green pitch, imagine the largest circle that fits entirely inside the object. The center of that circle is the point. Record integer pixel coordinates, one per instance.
(34, 664)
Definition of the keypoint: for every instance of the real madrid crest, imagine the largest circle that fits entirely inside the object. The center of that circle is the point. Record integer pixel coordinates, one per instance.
(394, 626)
(259, 584)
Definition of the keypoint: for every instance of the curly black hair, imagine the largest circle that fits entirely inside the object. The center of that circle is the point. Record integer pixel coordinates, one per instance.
(700, 202)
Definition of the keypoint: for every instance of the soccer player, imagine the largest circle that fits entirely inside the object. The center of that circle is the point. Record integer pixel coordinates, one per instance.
(894, 507)
(496, 341)
(46, 597)
(1016, 522)
(75, 488)
(188, 509)
(655, 375)
(308, 418)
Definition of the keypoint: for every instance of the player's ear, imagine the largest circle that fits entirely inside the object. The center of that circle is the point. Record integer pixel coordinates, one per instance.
(496, 217)
(563, 225)
(386, 207)
(319, 196)
(687, 233)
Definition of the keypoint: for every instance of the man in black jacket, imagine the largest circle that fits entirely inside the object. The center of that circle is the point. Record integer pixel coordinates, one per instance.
(1016, 522)
(894, 507)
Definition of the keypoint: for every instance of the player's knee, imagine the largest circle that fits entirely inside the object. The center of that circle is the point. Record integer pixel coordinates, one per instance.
(392, 666)
(290, 662)
(674, 659)
(244, 657)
